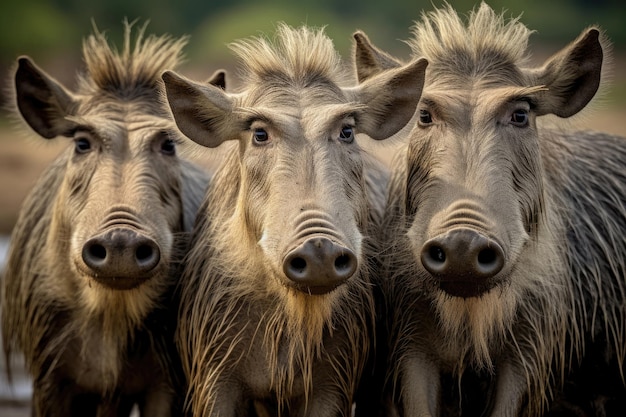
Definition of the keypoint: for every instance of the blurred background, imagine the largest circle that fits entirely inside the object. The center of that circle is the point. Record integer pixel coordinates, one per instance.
(51, 32)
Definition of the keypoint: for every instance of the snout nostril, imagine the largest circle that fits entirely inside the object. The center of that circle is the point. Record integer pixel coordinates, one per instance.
(343, 262)
(487, 256)
(319, 264)
(298, 264)
(463, 255)
(144, 252)
(437, 254)
(121, 253)
(147, 255)
(97, 252)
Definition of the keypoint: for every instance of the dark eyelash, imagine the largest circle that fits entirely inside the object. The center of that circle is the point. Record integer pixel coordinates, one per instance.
(173, 136)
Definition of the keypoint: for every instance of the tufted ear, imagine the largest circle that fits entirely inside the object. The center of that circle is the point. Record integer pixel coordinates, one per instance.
(368, 59)
(42, 101)
(203, 112)
(218, 79)
(391, 99)
(572, 76)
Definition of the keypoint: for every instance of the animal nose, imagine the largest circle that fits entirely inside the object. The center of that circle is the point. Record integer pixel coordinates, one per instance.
(319, 265)
(462, 255)
(121, 252)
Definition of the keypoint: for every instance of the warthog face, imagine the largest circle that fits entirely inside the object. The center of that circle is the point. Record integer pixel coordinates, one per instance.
(302, 193)
(123, 201)
(120, 204)
(474, 176)
(476, 168)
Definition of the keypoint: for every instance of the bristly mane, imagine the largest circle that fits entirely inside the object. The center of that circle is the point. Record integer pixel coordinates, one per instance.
(135, 71)
(297, 56)
(488, 43)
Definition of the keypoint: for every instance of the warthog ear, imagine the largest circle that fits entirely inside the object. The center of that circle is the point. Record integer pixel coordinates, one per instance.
(218, 79)
(42, 101)
(202, 112)
(572, 76)
(369, 60)
(391, 98)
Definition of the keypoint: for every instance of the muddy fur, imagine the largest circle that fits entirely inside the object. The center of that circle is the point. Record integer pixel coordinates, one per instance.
(556, 313)
(246, 333)
(90, 349)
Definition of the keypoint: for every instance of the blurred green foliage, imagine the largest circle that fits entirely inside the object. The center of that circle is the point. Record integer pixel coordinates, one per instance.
(53, 29)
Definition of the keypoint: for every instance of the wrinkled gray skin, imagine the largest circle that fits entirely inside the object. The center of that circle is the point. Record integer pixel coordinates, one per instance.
(86, 296)
(506, 258)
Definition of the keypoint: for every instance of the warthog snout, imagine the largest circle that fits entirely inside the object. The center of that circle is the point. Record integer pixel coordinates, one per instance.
(463, 260)
(319, 265)
(121, 258)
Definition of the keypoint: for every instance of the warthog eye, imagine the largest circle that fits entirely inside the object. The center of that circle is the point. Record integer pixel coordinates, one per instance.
(82, 145)
(519, 118)
(260, 136)
(425, 117)
(347, 134)
(168, 147)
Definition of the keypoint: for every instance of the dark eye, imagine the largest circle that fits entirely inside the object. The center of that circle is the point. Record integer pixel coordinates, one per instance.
(168, 147)
(347, 134)
(82, 145)
(519, 118)
(260, 135)
(425, 117)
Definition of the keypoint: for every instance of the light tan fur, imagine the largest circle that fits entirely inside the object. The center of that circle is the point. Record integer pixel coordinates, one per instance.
(540, 193)
(80, 337)
(246, 333)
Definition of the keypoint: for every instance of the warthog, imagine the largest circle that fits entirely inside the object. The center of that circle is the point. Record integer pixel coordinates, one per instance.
(87, 288)
(276, 301)
(507, 257)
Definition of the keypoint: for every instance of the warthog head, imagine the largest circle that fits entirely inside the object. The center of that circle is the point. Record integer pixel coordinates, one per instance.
(120, 205)
(474, 176)
(301, 198)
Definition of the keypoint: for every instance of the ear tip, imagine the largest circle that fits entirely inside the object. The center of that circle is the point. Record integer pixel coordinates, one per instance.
(593, 33)
(24, 60)
(419, 64)
(359, 36)
(169, 76)
(218, 79)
